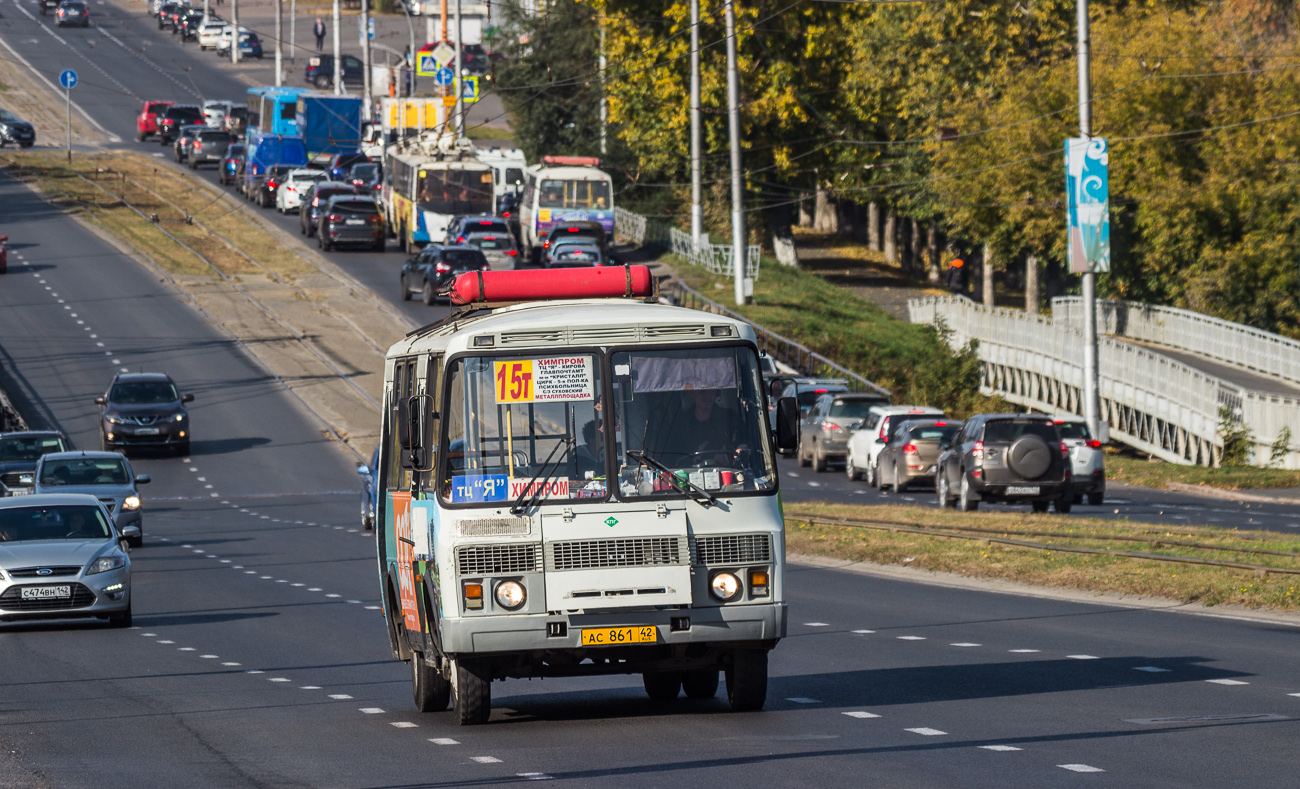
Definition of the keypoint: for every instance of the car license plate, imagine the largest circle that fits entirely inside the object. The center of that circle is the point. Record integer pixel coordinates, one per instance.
(355, 222)
(19, 491)
(47, 592)
(605, 636)
(1022, 490)
(146, 431)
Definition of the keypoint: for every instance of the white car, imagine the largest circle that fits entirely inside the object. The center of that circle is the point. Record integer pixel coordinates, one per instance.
(215, 112)
(210, 34)
(223, 40)
(1086, 463)
(288, 197)
(868, 438)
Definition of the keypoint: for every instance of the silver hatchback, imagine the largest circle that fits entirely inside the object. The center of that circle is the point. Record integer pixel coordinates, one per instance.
(61, 556)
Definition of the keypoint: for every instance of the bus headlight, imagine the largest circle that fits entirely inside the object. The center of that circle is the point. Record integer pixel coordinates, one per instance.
(510, 595)
(725, 587)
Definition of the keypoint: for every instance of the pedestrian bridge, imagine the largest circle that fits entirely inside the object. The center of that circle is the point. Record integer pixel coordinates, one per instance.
(1168, 401)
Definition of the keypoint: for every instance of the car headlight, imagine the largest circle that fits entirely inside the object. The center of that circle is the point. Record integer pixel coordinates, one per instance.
(725, 587)
(131, 503)
(510, 595)
(26, 479)
(179, 418)
(105, 564)
(114, 420)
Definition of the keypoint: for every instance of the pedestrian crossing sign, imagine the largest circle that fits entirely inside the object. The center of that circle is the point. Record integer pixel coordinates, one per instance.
(426, 65)
(470, 90)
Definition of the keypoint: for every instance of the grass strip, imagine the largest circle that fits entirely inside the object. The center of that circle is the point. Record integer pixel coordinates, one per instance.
(997, 556)
(1158, 474)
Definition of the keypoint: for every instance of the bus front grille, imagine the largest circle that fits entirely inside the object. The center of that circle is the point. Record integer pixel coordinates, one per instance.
(628, 552)
(732, 549)
(497, 559)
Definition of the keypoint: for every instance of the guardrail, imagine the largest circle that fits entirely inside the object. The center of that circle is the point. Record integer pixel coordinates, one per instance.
(716, 258)
(1238, 345)
(807, 361)
(1151, 402)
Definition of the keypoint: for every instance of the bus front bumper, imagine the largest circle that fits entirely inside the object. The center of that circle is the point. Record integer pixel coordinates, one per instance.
(715, 626)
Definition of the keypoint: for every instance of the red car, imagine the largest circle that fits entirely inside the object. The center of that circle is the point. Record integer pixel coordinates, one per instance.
(147, 122)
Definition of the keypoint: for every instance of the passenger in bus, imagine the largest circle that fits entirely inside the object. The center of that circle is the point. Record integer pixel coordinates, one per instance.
(701, 431)
(591, 455)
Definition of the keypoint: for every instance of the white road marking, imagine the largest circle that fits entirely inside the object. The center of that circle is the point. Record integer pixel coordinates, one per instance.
(812, 484)
(339, 696)
(265, 577)
(1082, 657)
(864, 631)
(250, 572)
(861, 714)
(314, 589)
(485, 759)
(372, 608)
(803, 700)
(1152, 669)
(299, 584)
(212, 556)
(443, 741)
(333, 595)
(815, 624)
(371, 710)
(166, 642)
(926, 732)
(230, 664)
(911, 638)
(209, 657)
(1025, 651)
(239, 567)
(534, 776)
(354, 601)
(1227, 682)
(965, 644)
(404, 725)
(1081, 768)
(279, 679)
(1000, 748)
(187, 546)
(149, 635)
(254, 671)
(281, 581)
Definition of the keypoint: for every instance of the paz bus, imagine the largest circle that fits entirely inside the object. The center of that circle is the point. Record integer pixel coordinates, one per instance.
(564, 189)
(423, 192)
(577, 480)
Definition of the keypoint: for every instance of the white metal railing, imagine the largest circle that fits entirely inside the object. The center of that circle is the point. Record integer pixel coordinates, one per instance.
(1150, 401)
(1234, 343)
(716, 258)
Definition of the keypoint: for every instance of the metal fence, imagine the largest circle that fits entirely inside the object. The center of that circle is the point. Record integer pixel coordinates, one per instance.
(1238, 345)
(716, 258)
(1151, 402)
(783, 349)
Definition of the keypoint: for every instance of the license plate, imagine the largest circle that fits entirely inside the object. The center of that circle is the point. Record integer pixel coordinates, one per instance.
(606, 636)
(19, 491)
(146, 431)
(1022, 490)
(355, 222)
(47, 592)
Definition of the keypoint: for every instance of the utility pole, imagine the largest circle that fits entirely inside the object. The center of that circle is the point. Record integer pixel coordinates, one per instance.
(443, 39)
(293, 31)
(604, 100)
(279, 43)
(1091, 396)
(459, 81)
(338, 56)
(738, 261)
(207, 9)
(368, 98)
(697, 188)
(234, 31)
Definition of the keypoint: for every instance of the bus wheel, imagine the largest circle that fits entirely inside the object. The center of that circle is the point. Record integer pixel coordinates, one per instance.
(700, 684)
(662, 685)
(747, 680)
(471, 693)
(430, 688)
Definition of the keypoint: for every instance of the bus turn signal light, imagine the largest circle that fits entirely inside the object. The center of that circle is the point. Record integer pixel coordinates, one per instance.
(474, 596)
(758, 583)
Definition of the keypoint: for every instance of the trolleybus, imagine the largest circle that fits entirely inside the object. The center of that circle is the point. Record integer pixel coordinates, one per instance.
(564, 189)
(579, 485)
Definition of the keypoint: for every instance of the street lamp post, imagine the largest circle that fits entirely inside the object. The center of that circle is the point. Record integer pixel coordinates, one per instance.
(738, 262)
(1091, 396)
(697, 189)
(234, 31)
(279, 43)
(338, 56)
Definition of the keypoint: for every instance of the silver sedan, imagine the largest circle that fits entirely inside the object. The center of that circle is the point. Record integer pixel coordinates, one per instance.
(62, 556)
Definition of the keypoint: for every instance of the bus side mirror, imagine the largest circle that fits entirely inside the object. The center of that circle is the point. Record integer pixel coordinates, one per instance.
(787, 424)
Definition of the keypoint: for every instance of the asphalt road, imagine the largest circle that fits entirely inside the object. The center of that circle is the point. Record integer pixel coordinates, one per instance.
(258, 658)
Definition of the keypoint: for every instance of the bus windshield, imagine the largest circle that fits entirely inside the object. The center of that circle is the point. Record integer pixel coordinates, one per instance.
(574, 193)
(455, 191)
(696, 412)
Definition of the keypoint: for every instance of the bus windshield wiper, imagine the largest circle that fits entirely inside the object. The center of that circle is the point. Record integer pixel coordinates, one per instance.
(539, 488)
(699, 494)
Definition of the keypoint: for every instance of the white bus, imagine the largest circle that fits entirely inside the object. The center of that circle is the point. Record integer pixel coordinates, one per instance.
(564, 189)
(584, 486)
(422, 193)
(508, 171)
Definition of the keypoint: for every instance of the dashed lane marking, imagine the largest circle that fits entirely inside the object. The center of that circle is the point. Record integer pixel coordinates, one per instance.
(1227, 682)
(1000, 748)
(965, 644)
(911, 638)
(280, 679)
(371, 710)
(815, 624)
(1024, 651)
(861, 714)
(310, 687)
(1082, 657)
(1152, 669)
(863, 632)
(485, 759)
(926, 731)
(340, 696)
(443, 741)
(1081, 768)
(534, 776)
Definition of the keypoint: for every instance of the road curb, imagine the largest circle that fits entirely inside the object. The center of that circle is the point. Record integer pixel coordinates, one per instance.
(954, 581)
(1228, 495)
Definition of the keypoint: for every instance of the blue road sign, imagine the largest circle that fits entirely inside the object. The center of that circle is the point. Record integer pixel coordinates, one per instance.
(68, 79)
(444, 76)
(425, 65)
(469, 90)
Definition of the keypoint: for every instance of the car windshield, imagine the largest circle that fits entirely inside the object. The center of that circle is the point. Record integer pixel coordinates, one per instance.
(455, 191)
(484, 226)
(346, 160)
(354, 207)
(697, 412)
(143, 393)
(1074, 430)
(65, 522)
(365, 171)
(214, 136)
(807, 395)
(463, 259)
(934, 432)
(490, 242)
(574, 193)
(6, 115)
(853, 408)
(29, 447)
(511, 421)
(1011, 429)
(84, 471)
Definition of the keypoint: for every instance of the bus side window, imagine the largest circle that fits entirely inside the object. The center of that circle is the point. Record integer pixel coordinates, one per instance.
(429, 420)
(395, 427)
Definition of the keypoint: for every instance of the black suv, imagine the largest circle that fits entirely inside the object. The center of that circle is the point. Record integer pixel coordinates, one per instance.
(1005, 458)
(174, 118)
(315, 199)
(435, 266)
(144, 410)
(19, 452)
(320, 71)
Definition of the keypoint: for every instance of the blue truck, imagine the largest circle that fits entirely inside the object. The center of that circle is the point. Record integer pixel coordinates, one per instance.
(274, 110)
(329, 124)
(264, 151)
